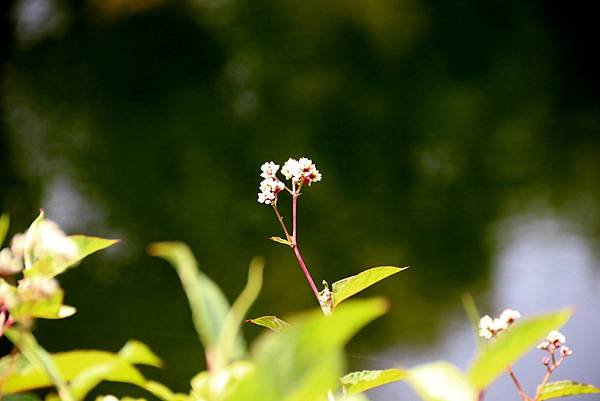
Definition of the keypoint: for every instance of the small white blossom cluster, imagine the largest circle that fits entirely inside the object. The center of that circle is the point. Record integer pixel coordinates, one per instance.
(555, 340)
(11, 258)
(489, 327)
(300, 172)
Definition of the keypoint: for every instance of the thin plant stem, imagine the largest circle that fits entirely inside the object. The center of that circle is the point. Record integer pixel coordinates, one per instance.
(309, 278)
(480, 395)
(520, 390)
(287, 234)
(546, 378)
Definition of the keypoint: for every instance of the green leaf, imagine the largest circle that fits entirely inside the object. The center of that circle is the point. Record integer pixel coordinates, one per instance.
(51, 266)
(225, 347)
(441, 381)
(357, 382)
(270, 322)
(138, 353)
(281, 241)
(40, 360)
(349, 286)
(50, 308)
(207, 302)
(304, 362)
(566, 388)
(511, 344)
(21, 397)
(217, 385)
(473, 316)
(164, 393)
(4, 224)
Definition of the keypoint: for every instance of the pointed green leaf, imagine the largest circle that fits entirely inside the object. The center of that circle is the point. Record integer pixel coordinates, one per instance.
(270, 322)
(4, 224)
(138, 353)
(281, 241)
(304, 361)
(51, 266)
(357, 382)
(441, 381)
(41, 363)
(566, 388)
(226, 342)
(349, 286)
(473, 316)
(164, 393)
(511, 344)
(50, 308)
(207, 302)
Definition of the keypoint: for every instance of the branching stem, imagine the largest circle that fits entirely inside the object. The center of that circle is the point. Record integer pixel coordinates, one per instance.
(520, 390)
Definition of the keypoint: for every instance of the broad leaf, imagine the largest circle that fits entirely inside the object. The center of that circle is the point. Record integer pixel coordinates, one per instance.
(357, 382)
(441, 381)
(566, 388)
(511, 344)
(51, 266)
(349, 286)
(207, 302)
(270, 322)
(40, 360)
(138, 353)
(304, 362)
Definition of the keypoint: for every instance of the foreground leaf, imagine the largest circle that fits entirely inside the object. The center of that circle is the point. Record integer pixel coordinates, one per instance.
(357, 382)
(207, 302)
(138, 353)
(270, 322)
(566, 388)
(510, 345)
(50, 308)
(4, 224)
(304, 362)
(349, 286)
(441, 381)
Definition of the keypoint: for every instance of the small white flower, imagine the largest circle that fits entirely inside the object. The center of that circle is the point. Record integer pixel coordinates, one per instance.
(566, 351)
(485, 327)
(51, 239)
(7, 295)
(37, 288)
(510, 315)
(266, 197)
(17, 245)
(291, 169)
(543, 345)
(556, 338)
(485, 333)
(269, 188)
(269, 170)
(499, 325)
(9, 263)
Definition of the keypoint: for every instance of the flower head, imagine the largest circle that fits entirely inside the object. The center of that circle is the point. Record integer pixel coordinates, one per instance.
(489, 327)
(269, 170)
(37, 288)
(9, 262)
(510, 316)
(556, 338)
(301, 171)
(269, 188)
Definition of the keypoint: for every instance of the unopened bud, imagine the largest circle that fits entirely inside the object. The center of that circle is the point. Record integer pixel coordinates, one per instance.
(546, 361)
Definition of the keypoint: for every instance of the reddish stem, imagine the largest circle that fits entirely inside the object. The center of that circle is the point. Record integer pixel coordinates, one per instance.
(313, 287)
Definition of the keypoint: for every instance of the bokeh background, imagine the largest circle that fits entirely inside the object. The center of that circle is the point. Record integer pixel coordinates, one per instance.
(461, 138)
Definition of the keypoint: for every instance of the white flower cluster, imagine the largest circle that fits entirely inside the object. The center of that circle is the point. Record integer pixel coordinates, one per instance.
(302, 171)
(555, 340)
(270, 186)
(43, 239)
(489, 327)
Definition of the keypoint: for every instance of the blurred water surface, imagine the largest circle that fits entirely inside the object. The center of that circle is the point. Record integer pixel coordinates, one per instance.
(461, 139)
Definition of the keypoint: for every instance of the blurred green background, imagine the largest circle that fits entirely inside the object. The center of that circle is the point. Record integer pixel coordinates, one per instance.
(433, 124)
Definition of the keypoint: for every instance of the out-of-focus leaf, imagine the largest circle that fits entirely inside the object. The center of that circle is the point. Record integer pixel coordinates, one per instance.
(270, 322)
(349, 286)
(164, 393)
(21, 397)
(511, 344)
(225, 347)
(281, 240)
(357, 382)
(51, 266)
(217, 385)
(51, 308)
(41, 363)
(441, 381)
(138, 353)
(473, 315)
(207, 302)
(4, 224)
(304, 362)
(565, 388)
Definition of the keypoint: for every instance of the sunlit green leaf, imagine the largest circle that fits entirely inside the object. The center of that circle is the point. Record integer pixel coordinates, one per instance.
(50, 308)
(4, 224)
(441, 381)
(41, 364)
(225, 347)
(207, 302)
(511, 344)
(270, 322)
(138, 353)
(51, 266)
(217, 385)
(349, 286)
(281, 241)
(473, 315)
(566, 388)
(357, 382)
(304, 362)
(164, 393)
